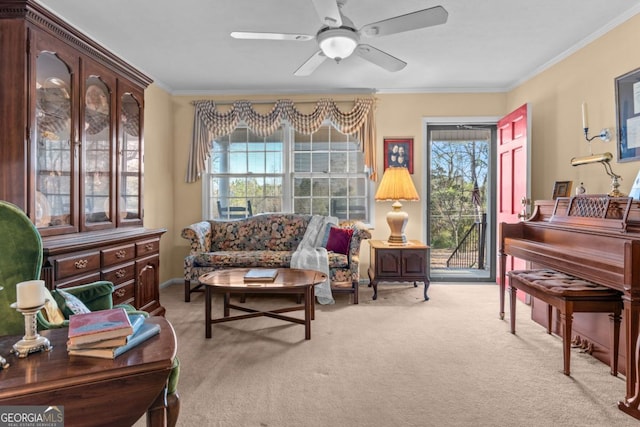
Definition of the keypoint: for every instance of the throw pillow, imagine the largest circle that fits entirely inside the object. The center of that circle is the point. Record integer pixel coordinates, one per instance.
(51, 311)
(325, 238)
(69, 303)
(339, 240)
(323, 235)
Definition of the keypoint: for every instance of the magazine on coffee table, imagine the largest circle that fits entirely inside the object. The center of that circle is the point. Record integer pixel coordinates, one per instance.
(261, 275)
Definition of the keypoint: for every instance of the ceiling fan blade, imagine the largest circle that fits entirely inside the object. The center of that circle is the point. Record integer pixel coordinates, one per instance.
(411, 21)
(310, 66)
(329, 12)
(380, 58)
(271, 36)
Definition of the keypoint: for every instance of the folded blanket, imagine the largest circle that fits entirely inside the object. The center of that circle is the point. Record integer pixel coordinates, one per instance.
(311, 255)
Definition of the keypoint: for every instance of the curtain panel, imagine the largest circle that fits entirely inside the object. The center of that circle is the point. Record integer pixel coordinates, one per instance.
(209, 124)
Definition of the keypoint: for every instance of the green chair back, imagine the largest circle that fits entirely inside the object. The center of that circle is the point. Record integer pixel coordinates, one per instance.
(20, 260)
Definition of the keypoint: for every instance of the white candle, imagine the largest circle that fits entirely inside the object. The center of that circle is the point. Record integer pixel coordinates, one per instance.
(30, 293)
(584, 116)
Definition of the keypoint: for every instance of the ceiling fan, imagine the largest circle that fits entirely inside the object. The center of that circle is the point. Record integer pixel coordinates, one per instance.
(338, 38)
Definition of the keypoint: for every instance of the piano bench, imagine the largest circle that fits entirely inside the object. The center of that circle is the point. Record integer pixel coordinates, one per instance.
(569, 295)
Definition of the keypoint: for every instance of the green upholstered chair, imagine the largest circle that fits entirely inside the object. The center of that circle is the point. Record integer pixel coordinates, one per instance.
(21, 259)
(95, 296)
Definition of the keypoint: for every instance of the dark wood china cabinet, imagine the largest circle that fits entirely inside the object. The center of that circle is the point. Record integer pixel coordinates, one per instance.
(71, 153)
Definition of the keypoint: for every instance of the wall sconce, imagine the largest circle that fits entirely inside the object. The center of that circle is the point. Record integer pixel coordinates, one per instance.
(604, 134)
(603, 158)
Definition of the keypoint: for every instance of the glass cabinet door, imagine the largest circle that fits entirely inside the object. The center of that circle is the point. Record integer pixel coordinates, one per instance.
(53, 143)
(97, 152)
(129, 159)
(85, 134)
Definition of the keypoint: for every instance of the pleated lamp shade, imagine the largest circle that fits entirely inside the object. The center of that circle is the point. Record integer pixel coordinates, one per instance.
(397, 185)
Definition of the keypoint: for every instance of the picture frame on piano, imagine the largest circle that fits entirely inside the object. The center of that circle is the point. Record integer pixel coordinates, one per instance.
(627, 88)
(562, 189)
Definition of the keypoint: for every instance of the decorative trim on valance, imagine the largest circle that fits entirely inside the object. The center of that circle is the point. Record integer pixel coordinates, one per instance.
(209, 124)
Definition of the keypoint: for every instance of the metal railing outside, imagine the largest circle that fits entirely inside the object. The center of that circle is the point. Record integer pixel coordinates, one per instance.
(470, 252)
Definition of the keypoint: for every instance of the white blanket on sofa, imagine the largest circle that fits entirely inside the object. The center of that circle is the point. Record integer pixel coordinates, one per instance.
(312, 256)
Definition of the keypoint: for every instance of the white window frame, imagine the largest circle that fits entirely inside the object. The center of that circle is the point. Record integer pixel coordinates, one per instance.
(288, 177)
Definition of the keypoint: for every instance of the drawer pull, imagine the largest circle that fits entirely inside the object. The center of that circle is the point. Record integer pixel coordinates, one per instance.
(121, 253)
(82, 263)
(120, 293)
(148, 246)
(121, 273)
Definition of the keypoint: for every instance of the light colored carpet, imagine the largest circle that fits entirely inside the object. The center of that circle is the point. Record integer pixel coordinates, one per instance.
(397, 361)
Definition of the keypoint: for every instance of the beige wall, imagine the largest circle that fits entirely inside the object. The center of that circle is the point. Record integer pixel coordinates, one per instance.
(555, 97)
(158, 172)
(402, 116)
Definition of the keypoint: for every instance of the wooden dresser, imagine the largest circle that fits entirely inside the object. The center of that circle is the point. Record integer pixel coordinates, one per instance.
(72, 153)
(130, 258)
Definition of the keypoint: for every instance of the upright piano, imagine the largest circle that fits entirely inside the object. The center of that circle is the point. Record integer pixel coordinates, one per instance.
(596, 238)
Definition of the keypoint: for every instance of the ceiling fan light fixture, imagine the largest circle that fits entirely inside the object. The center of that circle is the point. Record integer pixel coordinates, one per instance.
(337, 43)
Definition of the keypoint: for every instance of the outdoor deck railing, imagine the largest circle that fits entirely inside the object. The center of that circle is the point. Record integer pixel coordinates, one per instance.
(470, 252)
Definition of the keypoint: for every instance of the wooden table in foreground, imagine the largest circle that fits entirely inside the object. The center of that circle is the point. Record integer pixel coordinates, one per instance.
(288, 281)
(93, 392)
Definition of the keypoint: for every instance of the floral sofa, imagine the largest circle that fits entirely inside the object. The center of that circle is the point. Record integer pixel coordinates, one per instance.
(265, 240)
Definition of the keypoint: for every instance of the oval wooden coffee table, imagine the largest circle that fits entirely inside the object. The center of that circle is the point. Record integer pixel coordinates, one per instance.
(287, 281)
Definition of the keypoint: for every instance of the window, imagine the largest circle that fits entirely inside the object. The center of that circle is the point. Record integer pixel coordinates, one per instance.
(246, 175)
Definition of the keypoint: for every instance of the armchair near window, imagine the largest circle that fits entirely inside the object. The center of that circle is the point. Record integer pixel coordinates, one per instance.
(21, 260)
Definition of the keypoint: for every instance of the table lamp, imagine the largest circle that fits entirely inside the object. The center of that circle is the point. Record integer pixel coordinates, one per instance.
(397, 185)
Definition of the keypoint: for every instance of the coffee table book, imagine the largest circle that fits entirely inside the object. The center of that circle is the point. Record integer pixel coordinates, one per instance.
(98, 326)
(146, 331)
(261, 275)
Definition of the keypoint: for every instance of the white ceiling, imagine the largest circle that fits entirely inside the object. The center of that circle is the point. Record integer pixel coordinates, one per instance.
(486, 45)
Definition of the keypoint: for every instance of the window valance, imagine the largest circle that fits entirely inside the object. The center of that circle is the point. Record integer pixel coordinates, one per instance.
(209, 124)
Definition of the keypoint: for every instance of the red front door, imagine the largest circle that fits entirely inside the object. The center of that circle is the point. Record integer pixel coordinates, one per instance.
(513, 172)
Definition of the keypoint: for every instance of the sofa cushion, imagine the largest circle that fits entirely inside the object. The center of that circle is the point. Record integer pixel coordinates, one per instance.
(226, 259)
(277, 232)
(339, 240)
(337, 260)
(325, 237)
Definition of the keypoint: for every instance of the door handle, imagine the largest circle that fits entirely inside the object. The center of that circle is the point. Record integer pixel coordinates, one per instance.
(525, 201)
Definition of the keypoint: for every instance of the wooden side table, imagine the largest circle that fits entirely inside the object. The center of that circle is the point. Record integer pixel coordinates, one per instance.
(398, 263)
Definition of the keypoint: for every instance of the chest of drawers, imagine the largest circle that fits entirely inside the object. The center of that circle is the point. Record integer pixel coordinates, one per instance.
(130, 259)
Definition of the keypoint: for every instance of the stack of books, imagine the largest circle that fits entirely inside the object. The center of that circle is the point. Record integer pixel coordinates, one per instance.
(107, 333)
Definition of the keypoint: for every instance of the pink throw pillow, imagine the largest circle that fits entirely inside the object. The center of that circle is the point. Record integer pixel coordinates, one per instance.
(339, 240)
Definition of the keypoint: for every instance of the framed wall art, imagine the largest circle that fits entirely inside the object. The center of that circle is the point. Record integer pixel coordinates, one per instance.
(398, 152)
(562, 189)
(628, 116)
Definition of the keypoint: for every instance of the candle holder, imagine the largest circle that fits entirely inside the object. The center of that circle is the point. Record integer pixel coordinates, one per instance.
(32, 341)
(604, 135)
